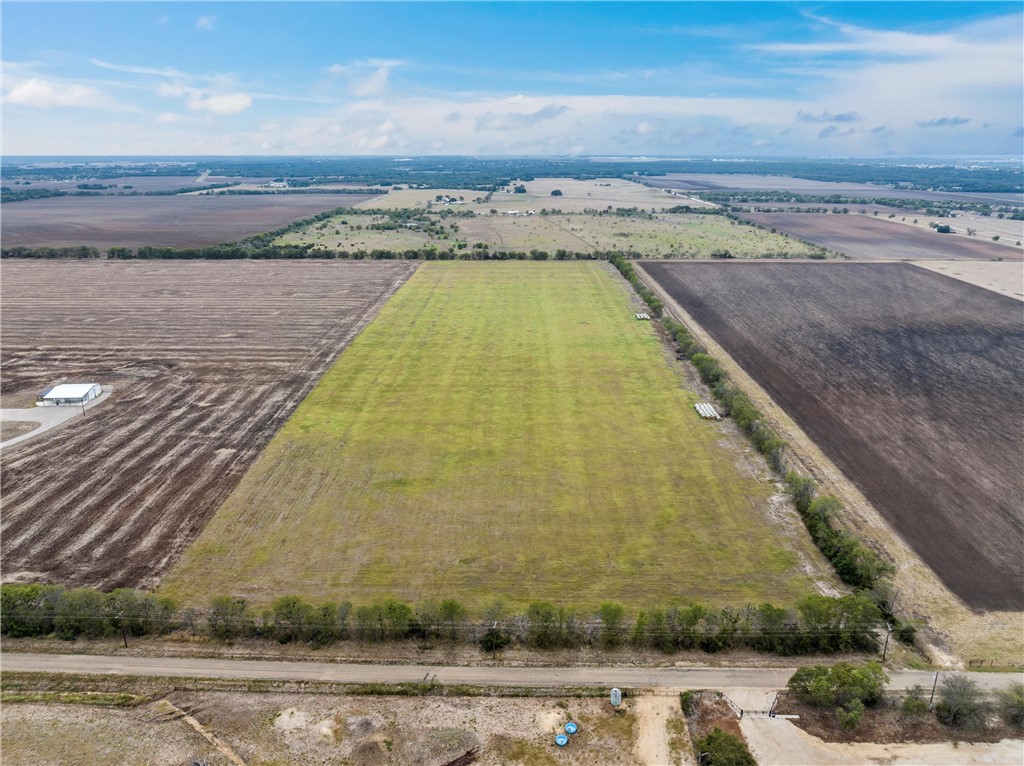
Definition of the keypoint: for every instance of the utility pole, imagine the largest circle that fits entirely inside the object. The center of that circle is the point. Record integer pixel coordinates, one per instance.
(124, 629)
(934, 684)
(888, 632)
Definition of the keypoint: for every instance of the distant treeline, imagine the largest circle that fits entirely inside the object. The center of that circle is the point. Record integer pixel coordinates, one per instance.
(79, 251)
(7, 194)
(495, 173)
(854, 562)
(461, 252)
(243, 251)
(929, 207)
(818, 624)
(298, 190)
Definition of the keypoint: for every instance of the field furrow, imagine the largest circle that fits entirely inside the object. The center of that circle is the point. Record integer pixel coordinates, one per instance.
(207, 360)
(912, 383)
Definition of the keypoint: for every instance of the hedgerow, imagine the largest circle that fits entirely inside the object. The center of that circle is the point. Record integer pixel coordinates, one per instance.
(818, 624)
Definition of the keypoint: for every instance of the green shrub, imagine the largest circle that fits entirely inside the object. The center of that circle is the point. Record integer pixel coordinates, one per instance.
(1010, 703)
(709, 369)
(801, 489)
(687, 702)
(80, 613)
(139, 613)
(293, 619)
(27, 610)
(962, 704)
(384, 620)
(914, 705)
(229, 618)
(839, 684)
(724, 749)
(552, 627)
(453, 615)
(612, 616)
(494, 640)
(849, 715)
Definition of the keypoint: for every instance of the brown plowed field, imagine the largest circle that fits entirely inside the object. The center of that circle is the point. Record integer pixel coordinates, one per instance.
(171, 221)
(911, 382)
(867, 237)
(207, 360)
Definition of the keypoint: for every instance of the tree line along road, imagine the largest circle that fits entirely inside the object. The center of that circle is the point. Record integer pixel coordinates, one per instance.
(655, 678)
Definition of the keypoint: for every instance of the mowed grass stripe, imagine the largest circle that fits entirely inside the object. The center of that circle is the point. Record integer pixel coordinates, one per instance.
(501, 430)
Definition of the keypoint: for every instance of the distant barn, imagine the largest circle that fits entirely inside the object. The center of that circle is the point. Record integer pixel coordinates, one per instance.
(69, 393)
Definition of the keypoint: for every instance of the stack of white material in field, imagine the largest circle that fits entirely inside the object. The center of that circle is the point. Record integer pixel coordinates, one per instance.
(706, 411)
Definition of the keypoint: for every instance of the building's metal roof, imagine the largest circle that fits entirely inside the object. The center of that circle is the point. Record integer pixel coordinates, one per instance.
(69, 391)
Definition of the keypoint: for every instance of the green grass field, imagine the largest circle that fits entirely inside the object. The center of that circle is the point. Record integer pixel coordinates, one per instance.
(501, 430)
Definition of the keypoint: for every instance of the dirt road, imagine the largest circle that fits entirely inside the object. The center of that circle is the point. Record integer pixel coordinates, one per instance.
(671, 678)
(777, 742)
(652, 713)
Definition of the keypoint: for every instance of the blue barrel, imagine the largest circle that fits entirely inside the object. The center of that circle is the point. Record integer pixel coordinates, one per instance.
(561, 740)
(570, 728)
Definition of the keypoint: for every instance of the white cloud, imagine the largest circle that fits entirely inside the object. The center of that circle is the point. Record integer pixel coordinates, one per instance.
(206, 23)
(833, 131)
(44, 94)
(373, 85)
(173, 118)
(519, 120)
(129, 69)
(943, 122)
(367, 78)
(827, 117)
(173, 89)
(218, 103)
(853, 89)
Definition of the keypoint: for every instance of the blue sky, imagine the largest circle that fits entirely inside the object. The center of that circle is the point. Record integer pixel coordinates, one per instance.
(392, 78)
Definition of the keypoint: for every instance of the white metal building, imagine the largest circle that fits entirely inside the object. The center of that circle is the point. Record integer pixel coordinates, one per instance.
(69, 393)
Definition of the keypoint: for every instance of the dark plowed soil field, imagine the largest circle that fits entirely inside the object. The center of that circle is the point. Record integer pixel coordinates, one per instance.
(867, 237)
(172, 221)
(141, 183)
(207, 361)
(911, 382)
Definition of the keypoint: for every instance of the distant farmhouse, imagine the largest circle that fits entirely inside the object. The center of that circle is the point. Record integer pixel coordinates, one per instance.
(69, 393)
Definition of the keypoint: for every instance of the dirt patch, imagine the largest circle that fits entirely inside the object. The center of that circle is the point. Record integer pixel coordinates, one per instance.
(396, 730)
(777, 742)
(653, 714)
(213, 358)
(12, 429)
(52, 735)
(1005, 278)
(867, 237)
(171, 221)
(711, 711)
